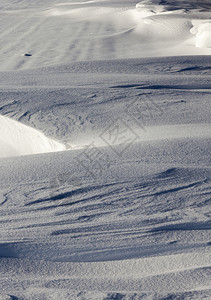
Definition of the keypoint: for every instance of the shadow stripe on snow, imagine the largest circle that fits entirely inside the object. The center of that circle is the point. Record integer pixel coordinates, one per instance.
(184, 226)
(157, 87)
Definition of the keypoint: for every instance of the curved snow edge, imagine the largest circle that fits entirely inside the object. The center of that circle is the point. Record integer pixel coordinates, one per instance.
(18, 139)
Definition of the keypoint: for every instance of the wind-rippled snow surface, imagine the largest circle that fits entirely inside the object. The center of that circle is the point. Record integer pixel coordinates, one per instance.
(105, 150)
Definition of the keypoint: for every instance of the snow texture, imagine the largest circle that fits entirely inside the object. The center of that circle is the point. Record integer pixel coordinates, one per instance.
(105, 150)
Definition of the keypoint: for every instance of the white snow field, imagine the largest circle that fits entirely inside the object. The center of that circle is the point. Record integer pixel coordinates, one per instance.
(105, 150)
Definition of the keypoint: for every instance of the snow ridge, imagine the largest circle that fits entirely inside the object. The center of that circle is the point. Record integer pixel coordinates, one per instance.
(17, 139)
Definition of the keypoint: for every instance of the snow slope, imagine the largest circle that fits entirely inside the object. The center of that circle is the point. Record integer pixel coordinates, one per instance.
(18, 139)
(145, 194)
(90, 30)
(119, 207)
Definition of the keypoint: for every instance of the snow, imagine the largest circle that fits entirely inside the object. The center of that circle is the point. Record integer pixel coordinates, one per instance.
(18, 139)
(105, 149)
(203, 34)
(101, 30)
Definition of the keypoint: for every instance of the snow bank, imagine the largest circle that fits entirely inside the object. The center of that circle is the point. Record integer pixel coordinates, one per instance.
(203, 35)
(18, 139)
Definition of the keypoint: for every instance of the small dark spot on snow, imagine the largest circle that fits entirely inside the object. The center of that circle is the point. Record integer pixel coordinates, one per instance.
(173, 242)
(27, 54)
(13, 297)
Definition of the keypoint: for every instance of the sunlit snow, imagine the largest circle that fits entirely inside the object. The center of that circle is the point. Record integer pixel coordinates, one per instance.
(105, 149)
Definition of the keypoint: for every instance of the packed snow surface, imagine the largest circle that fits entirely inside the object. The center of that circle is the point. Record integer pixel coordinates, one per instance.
(105, 150)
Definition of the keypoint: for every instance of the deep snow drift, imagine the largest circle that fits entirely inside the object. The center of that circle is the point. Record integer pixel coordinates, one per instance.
(18, 139)
(124, 212)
